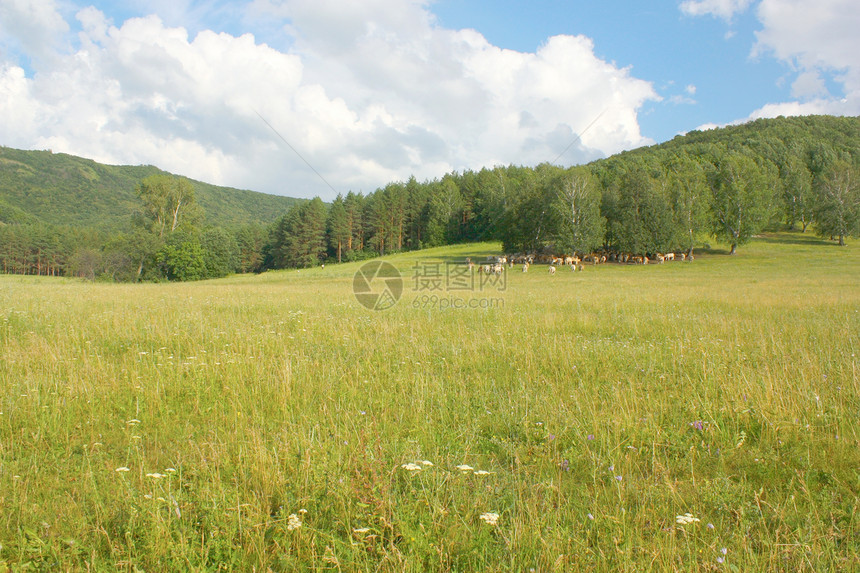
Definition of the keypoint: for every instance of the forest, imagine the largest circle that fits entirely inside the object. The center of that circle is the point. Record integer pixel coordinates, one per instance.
(726, 184)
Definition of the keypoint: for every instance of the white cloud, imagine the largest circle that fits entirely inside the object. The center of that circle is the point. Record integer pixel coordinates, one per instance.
(725, 9)
(33, 26)
(370, 92)
(819, 41)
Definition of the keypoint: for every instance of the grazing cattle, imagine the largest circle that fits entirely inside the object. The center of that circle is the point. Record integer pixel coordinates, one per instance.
(660, 258)
(487, 269)
(525, 267)
(670, 256)
(497, 269)
(551, 270)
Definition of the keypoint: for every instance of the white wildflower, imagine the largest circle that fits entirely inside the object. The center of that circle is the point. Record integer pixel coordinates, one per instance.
(427, 463)
(685, 519)
(482, 473)
(490, 518)
(133, 422)
(361, 530)
(411, 467)
(156, 475)
(122, 469)
(465, 468)
(293, 522)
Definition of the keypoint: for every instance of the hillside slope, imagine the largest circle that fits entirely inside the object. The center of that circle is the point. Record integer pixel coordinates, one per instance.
(61, 189)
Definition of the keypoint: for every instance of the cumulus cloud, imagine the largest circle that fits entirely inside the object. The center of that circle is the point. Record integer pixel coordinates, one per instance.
(369, 92)
(33, 27)
(819, 42)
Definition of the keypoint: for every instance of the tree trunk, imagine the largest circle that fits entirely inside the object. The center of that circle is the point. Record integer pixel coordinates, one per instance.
(841, 240)
(734, 250)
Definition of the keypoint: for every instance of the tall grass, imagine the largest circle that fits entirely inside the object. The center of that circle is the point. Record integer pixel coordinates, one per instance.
(601, 404)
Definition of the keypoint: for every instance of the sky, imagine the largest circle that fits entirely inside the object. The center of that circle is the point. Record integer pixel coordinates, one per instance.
(312, 98)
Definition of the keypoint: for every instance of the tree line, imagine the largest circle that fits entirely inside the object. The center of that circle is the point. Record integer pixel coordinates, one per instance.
(730, 184)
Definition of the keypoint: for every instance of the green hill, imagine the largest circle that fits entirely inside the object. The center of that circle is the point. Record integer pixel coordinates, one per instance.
(61, 189)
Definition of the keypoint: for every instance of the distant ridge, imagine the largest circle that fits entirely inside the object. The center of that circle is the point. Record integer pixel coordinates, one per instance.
(62, 189)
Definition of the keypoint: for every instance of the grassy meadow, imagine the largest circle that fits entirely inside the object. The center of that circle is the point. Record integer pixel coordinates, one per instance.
(690, 416)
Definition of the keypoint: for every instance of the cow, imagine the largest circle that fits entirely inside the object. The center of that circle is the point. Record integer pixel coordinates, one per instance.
(525, 267)
(551, 270)
(670, 256)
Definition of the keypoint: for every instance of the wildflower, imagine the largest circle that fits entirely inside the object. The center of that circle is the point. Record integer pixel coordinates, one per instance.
(482, 473)
(427, 463)
(170, 470)
(685, 519)
(155, 475)
(411, 467)
(724, 551)
(590, 436)
(710, 526)
(619, 478)
(590, 517)
(465, 468)
(133, 422)
(293, 522)
(612, 467)
(360, 530)
(122, 469)
(720, 559)
(490, 518)
(565, 465)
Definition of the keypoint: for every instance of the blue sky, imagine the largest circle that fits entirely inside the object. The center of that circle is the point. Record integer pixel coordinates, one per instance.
(248, 93)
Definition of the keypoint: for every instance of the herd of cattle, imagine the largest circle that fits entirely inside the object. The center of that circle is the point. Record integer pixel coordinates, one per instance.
(495, 264)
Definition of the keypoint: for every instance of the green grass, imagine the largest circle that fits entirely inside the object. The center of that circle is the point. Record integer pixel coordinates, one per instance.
(603, 404)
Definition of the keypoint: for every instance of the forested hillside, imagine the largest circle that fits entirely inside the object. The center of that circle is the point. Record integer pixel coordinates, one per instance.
(729, 184)
(60, 189)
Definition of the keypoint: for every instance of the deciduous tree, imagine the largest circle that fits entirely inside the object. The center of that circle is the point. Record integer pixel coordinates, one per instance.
(837, 212)
(742, 200)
